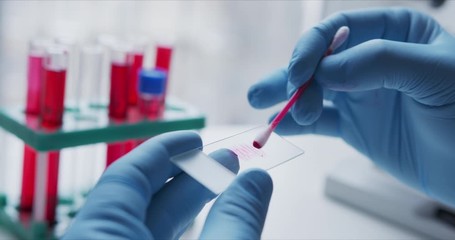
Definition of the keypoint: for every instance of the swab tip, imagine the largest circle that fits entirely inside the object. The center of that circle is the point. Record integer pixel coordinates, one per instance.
(340, 37)
(257, 145)
(262, 138)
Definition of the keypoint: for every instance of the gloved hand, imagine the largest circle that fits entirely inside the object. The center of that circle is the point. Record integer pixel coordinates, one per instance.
(134, 200)
(392, 85)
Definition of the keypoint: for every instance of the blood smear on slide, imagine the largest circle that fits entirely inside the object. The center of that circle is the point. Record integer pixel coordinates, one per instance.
(247, 152)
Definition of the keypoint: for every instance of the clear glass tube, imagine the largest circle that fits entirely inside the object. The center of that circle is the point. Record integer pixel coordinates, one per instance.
(90, 73)
(106, 42)
(72, 79)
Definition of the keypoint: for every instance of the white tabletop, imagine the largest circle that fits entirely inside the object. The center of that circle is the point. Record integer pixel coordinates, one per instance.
(299, 209)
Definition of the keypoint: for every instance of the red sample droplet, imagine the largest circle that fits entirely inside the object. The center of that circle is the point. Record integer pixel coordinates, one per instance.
(256, 145)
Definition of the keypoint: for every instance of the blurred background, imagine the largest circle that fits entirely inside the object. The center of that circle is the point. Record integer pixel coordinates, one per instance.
(221, 47)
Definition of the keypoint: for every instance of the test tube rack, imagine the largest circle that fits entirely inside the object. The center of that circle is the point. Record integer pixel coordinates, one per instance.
(90, 124)
(85, 124)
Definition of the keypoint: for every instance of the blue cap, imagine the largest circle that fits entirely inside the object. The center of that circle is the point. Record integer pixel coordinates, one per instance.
(152, 81)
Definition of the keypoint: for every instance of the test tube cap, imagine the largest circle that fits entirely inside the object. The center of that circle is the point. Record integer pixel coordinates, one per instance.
(152, 81)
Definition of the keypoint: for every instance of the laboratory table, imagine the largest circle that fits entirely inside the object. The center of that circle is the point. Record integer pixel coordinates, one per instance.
(299, 209)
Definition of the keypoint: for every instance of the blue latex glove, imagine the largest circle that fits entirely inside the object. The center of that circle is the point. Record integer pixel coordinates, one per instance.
(392, 84)
(134, 200)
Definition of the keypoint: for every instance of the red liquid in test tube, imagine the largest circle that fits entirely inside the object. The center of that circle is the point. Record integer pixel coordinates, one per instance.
(163, 62)
(118, 98)
(37, 50)
(118, 106)
(136, 66)
(28, 179)
(115, 151)
(35, 63)
(137, 60)
(151, 107)
(163, 57)
(52, 186)
(53, 97)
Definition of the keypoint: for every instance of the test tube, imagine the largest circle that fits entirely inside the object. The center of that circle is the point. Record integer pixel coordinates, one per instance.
(37, 50)
(151, 99)
(28, 179)
(115, 151)
(151, 93)
(163, 57)
(52, 186)
(137, 57)
(88, 87)
(90, 73)
(163, 61)
(136, 65)
(72, 64)
(107, 42)
(118, 97)
(55, 65)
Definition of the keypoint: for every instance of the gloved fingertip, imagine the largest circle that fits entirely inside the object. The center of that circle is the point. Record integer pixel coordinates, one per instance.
(227, 158)
(240, 211)
(175, 142)
(297, 75)
(305, 118)
(254, 96)
(291, 89)
(256, 181)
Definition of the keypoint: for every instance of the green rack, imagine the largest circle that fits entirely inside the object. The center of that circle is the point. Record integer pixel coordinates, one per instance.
(89, 124)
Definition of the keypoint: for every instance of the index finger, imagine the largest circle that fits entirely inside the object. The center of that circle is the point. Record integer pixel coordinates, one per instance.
(397, 24)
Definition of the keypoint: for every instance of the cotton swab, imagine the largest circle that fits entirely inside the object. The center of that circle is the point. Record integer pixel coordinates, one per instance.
(340, 36)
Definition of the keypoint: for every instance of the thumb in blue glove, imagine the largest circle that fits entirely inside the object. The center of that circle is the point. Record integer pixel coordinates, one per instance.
(240, 212)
